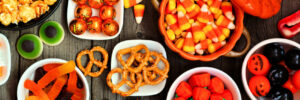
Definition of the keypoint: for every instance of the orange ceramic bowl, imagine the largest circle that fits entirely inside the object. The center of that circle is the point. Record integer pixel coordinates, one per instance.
(230, 43)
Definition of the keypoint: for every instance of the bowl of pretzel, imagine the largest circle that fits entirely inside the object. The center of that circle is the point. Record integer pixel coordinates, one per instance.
(138, 68)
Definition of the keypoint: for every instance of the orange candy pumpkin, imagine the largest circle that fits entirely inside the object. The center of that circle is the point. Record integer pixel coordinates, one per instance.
(258, 64)
(259, 85)
(261, 8)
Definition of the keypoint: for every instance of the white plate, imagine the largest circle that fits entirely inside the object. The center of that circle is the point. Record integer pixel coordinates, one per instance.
(146, 90)
(5, 58)
(228, 81)
(97, 36)
(246, 75)
(22, 93)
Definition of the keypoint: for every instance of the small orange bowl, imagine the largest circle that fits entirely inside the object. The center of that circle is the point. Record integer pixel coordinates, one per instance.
(230, 43)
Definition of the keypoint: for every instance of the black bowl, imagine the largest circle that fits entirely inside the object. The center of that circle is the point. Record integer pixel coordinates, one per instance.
(33, 22)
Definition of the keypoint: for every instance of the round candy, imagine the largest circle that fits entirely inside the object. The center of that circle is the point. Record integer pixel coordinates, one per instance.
(52, 33)
(274, 52)
(110, 27)
(292, 59)
(278, 75)
(107, 12)
(259, 85)
(280, 93)
(78, 26)
(258, 64)
(83, 11)
(30, 46)
(94, 24)
(96, 3)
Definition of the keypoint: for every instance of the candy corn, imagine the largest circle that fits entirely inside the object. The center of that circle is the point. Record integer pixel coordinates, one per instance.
(171, 7)
(215, 6)
(227, 10)
(189, 5)
(219, 33)
(139, 12)
(1, 71)
(226, 32)
(225, 22)
(176, 29)
(209, 32)
(181, 8)
(200, 2)
(203, 45)
(189, 45)
(183, 21)
(179, 43)
(204, 15)
(194, 12)
(171, 19)
(215, 46)
(171, 34)
(131, 3)
(198, 34)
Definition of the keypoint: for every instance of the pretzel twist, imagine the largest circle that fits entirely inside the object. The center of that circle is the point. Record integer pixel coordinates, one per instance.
(102, 65)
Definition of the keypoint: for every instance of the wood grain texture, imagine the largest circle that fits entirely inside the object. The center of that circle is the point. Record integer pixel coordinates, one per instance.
(259, 29)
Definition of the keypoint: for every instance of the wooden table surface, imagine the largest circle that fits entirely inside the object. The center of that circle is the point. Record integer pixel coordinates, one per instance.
(259, 29)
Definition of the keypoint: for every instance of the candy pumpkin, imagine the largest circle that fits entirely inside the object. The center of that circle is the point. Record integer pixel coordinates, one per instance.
(259, 85)
(258, 64)
(261, 8)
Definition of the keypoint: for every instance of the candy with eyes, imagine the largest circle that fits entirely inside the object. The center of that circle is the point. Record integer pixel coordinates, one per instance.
(83, 11)
(78, 26)
(94, 24)
(274, 52)
(80, 1)
(107, 12)
(258, 64)
(110, 27)
(111, 2)
(96, 3)
(259, 85)
(278, 75)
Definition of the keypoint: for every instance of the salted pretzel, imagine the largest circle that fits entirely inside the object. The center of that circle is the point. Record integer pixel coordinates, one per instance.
(133, 51)
(102, 65)
(153, 69)
(124, 80)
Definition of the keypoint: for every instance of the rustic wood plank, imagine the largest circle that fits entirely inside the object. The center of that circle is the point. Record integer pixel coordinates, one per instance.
(8, 90)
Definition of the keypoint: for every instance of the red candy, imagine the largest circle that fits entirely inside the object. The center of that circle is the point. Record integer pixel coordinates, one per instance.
(201, 80)
(259, 85)
(258, 64)
(184, 90)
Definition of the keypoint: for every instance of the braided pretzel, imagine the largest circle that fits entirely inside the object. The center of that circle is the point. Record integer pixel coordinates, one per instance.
(92, 60)
(163, 74)
(124, 73)
(133, 51)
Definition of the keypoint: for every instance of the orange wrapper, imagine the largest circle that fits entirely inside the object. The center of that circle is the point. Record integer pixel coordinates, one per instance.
(139, 12)
(36, 89)
(131, 3)
(55, 73)
(227, 10)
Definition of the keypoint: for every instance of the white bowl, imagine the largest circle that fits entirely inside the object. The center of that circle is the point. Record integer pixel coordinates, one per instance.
(246, 74)
(22, 92)
(95, 12)
(5, 58)
(146, 90)
(228, 81)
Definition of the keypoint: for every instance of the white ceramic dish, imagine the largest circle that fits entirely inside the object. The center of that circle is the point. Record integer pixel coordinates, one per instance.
(228, 81)
(22, 93)
(5, 58)
(146, 90)
(246, 75)
(95, 12)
